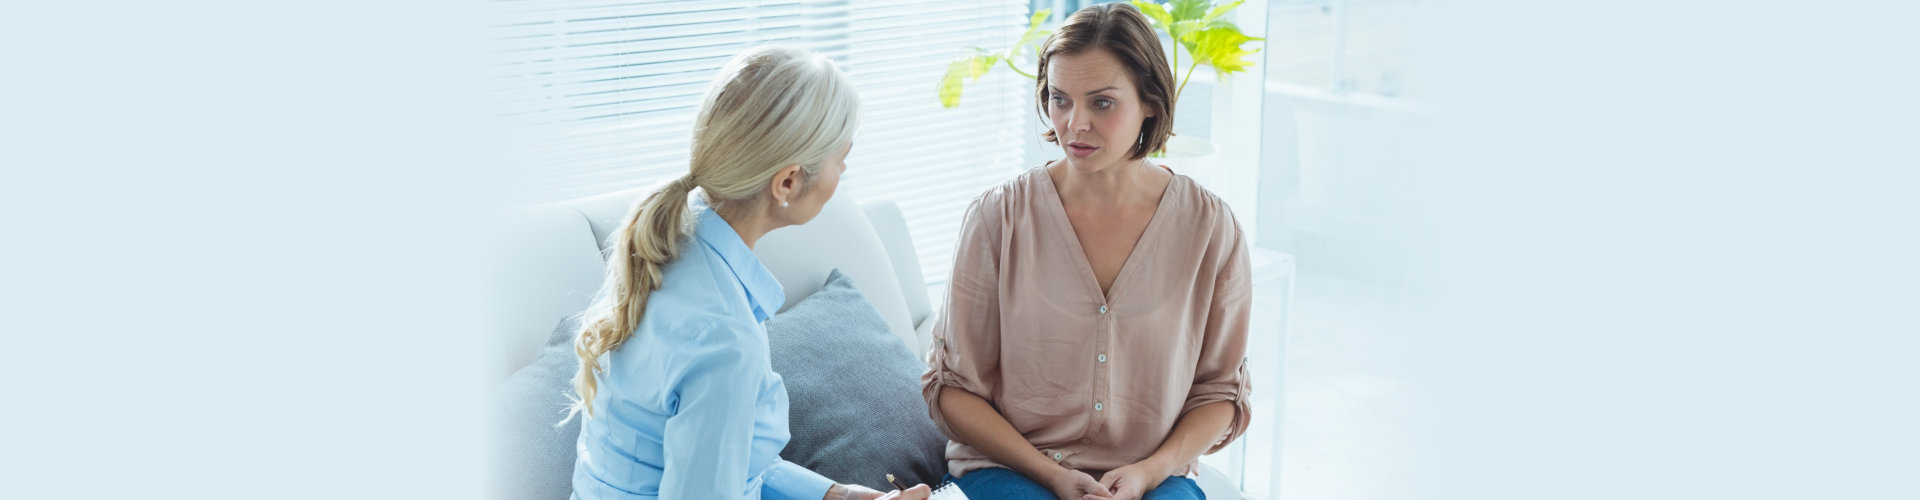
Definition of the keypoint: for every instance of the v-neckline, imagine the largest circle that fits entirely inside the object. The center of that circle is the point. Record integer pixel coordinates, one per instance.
(1087, 275)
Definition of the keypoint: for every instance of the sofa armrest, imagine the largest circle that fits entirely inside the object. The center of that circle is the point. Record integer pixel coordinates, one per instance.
(891, 225)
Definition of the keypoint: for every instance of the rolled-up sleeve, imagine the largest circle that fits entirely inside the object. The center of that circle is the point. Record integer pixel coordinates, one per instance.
(787, 481)
(966, 339)
(1221, 374)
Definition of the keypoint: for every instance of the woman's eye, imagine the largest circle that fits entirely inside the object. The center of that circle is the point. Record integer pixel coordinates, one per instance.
(1059, 101)
(1103, 103)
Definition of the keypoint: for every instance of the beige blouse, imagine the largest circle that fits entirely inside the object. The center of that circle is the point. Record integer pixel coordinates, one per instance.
(1096, 383)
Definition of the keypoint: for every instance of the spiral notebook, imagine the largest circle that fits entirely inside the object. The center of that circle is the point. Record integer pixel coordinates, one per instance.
(948, 491)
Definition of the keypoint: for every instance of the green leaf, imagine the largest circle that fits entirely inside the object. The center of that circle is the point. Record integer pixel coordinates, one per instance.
(976, 65)
(1189, 28)
(1183, 31)
(1155, 12)
(1187, 10)
(1187, 17)
(1220, 47)
(980, 63)
(1033, 34)
(963, 70)
(1219, 10)
(950, 83)
(1033, 23)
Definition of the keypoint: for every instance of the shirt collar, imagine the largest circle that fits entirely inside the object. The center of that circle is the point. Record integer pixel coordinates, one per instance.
(764, 292)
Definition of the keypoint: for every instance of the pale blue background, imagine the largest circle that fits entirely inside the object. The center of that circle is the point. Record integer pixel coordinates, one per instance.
(1666, 251)
(236, 258)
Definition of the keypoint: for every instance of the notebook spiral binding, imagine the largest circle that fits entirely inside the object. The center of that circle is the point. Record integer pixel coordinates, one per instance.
(949, 491)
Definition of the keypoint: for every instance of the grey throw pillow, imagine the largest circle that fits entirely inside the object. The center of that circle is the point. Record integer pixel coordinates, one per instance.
(534, 459)
(856, 412)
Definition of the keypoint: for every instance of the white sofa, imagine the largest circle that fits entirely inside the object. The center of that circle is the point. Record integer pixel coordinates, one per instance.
(552, 266)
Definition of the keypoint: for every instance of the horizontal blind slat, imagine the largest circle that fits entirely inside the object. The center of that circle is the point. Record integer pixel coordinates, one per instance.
(597, 96)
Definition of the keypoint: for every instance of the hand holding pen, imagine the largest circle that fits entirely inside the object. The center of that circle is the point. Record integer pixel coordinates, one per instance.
(857, 492)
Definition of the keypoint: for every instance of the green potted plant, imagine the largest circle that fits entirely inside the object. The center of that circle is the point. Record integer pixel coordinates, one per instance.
(1195, 27)
(976, 64)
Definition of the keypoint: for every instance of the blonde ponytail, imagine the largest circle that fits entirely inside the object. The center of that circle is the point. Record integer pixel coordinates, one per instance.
(648, 239)
(770, 107)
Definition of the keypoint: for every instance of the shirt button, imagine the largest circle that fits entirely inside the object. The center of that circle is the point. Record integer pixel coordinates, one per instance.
(1056, 456)
(1103, 358)
(1098, 407)
(1103, 309)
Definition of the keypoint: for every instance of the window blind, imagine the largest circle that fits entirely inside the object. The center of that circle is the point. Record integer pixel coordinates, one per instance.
(930, 160)
(598, 96)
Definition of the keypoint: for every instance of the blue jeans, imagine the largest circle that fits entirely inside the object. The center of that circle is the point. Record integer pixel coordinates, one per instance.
(998, 483)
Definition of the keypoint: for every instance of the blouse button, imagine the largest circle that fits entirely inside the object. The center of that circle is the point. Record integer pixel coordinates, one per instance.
(1103, 358)
(1056, 456)
(1098, 407)
(1103, 309)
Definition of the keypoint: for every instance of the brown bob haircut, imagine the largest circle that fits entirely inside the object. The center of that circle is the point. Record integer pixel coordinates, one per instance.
(1123, 31)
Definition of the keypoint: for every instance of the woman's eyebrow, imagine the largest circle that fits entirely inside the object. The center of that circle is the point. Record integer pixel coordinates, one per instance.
(1091, 92)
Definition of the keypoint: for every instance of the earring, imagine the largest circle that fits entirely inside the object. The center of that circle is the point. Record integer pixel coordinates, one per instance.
(783, 204)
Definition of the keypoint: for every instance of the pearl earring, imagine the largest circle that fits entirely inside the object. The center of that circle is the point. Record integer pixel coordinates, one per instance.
(783, 204)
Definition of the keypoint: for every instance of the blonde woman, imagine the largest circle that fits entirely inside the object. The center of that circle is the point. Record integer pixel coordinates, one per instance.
(1096, 324)
(676, 389)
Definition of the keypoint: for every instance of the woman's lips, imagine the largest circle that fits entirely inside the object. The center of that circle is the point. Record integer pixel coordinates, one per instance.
(1081, 150)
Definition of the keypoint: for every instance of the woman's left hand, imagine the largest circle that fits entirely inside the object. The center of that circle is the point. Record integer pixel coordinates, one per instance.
(1134, 481)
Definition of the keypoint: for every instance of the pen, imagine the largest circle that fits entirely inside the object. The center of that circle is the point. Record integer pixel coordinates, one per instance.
(896, 486)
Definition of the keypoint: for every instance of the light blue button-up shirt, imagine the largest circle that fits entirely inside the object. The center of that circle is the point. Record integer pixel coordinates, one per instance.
(689, 407)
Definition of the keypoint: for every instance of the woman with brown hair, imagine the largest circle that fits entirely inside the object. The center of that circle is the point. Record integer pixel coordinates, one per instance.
(1094, 339)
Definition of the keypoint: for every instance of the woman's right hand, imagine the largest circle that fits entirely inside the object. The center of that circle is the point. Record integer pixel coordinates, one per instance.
(858, 492)
(1069, 484)
(918, 492)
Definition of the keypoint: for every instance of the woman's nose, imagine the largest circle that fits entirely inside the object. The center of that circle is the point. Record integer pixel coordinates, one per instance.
(1076, 122)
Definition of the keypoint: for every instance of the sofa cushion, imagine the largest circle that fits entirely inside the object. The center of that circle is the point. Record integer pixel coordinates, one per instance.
(799, 256)
(535, 458)
(854, 388)
(838, 238)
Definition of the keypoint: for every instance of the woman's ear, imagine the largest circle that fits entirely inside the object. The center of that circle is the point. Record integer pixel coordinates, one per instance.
(786, 184)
